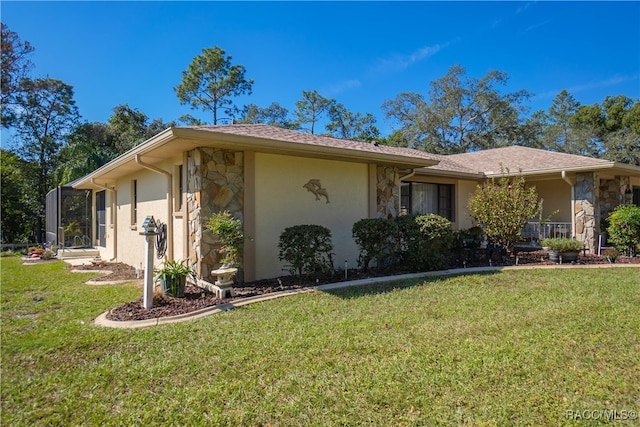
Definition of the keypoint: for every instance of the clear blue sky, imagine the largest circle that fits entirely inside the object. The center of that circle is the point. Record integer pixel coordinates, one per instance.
(359, 53)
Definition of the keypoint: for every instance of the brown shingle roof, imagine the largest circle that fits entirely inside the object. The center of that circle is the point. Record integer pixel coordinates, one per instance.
(527, 160)
(274, 133)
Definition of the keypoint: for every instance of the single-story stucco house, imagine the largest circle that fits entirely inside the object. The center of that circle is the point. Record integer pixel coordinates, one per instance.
(273, 178)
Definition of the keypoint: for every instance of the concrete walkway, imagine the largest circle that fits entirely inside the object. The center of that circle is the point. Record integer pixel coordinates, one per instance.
(131, 324)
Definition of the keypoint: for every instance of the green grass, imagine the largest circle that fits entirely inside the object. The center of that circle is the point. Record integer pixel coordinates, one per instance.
(509, 348)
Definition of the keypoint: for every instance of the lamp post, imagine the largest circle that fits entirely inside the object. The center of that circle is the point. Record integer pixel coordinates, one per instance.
(149, 231)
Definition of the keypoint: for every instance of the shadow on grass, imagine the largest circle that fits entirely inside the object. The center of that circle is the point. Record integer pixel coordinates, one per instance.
(382, 286)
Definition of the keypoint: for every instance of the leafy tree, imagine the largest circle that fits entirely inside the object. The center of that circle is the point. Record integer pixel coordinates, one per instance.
(211, 81)
(622, 124)
(274, 115)
(16, 223)
(129, 127)
(89, 146)
(48, 115)
(461, 113)
(14, 67)
(347, 125)
(610, 129)
(503, 208)
(395, 139)
(562, 128)
(189, 120)
(311, 107)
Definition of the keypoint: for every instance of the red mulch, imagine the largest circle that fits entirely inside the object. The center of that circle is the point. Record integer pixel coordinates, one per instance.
(196, 298)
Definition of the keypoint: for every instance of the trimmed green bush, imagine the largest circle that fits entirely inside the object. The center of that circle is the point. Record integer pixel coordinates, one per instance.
(377, 240)
(624, 228)
(425, 241)
(307, 249)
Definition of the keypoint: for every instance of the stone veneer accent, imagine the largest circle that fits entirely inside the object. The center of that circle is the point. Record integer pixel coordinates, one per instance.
(586, 210)
(215, 183)
(388, 192)
(612, 194)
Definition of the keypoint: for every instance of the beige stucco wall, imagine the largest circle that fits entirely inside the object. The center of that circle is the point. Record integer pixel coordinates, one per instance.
(556, 195)
(464, 191)
(152, 200)
(281, 201)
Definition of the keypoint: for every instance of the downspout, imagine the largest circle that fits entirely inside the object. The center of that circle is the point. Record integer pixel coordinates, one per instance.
(114, 216)
(169, 202)
(566, 179)
(402, 178)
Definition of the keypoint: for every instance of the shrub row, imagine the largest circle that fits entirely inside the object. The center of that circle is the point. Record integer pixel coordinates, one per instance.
(419, 242)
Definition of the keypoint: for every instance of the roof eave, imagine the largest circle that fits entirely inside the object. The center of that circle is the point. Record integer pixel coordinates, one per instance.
(546, 171)
(161, 138)
(245, 142)
(451, 174)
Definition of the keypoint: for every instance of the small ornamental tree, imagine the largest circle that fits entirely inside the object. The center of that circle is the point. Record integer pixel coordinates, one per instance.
(503, 207)
(307, 248)
(624, 228)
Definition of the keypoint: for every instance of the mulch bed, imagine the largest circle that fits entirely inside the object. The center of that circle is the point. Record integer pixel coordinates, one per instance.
(196, 298)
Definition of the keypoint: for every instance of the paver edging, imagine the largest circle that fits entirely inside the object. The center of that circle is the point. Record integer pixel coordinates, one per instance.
(102, 320)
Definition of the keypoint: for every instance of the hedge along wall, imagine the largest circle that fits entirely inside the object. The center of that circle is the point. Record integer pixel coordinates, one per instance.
(215, 182)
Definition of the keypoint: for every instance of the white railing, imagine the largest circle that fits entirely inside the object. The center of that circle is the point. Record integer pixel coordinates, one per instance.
(533, 230)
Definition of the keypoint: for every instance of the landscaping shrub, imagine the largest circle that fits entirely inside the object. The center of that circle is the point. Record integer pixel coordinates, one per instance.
(377, 239)
(425, 241)
(307, 248)
(624, 228)
(503, 209)
(229, 232)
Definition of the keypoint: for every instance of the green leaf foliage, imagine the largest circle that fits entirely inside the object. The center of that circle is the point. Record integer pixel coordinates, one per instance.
(307, 249)
(377, 240)
(229, 232)
(624, 228)
(562, 244)
(503, 207)
(211, 81)
(425, 241)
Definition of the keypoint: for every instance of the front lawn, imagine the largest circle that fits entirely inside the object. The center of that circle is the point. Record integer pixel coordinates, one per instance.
(508, 348)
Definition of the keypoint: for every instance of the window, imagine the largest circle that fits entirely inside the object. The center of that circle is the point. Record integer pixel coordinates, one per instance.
(134, 202)
(636, 196)
(425, 198)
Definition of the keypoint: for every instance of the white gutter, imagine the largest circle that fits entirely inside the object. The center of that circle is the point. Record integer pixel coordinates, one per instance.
(568, 180)
(114, 216)
(169, 202)
(402, 178)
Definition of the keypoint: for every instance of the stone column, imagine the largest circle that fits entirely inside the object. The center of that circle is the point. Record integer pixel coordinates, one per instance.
(586, 209)
(215, 184)
(388, 192)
